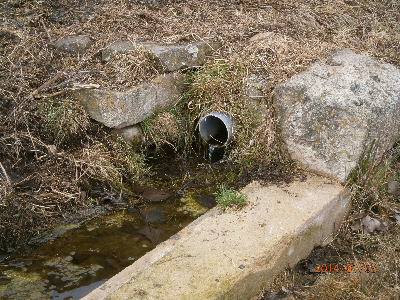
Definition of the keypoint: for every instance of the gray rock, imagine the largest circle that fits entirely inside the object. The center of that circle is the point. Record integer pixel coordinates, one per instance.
(174, 57)
(75, 45)
(331, 113)
(123, 109)
(393, 187)
(132, 134)
(155, 216)
(155, 195)
(169, 58)
(115, 48)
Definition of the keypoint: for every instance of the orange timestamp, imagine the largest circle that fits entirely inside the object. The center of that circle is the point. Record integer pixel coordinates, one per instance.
(368, 268)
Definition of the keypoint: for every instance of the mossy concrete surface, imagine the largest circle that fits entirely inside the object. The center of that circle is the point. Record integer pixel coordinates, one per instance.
(232, 255)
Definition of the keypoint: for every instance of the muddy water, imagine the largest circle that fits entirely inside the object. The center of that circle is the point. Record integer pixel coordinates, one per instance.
(75, 263)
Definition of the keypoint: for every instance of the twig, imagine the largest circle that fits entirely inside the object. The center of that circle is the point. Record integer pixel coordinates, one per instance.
(180, 192)
(48, 83)
(34, 94)
(76, 87)
(41, 206)
(5, 174)
(31, 138)
(47, 31)
(70, 196)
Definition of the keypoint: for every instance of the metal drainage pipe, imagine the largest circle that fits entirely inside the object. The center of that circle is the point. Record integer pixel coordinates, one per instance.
(216, 129)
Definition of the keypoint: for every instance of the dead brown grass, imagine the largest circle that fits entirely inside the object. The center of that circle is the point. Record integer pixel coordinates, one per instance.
(380, 252)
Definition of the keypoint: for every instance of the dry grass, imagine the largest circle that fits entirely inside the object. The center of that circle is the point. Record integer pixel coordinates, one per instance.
(380, 250)
(115, 165)
(66, 120)
(165, 128)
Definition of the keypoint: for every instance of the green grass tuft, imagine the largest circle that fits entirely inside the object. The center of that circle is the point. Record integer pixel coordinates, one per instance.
(228, 198)
(65, 119)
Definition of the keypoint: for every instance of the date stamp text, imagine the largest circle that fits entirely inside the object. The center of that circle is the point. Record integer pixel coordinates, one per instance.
(345, 268)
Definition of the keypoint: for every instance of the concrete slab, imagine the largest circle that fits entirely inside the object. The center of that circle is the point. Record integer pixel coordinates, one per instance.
(232, 255)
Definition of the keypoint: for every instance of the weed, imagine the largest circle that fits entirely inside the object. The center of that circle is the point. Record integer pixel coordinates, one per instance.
(227, 198)
(65, 119)
(131, 165)
(368, 180)
(219, 86)
(164, 128)
(114, 165)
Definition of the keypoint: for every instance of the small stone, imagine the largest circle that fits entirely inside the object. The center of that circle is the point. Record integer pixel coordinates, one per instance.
(152, 233)
(393, 187)
(207, 201)
(115, 48)
(169, 58)
(155, 216)
(261, 36)
(132, 135)
(155, 195)
(156, 3)
(174, 57)
(138, 188)
(76, 45)
(114, 263)
(133, 211)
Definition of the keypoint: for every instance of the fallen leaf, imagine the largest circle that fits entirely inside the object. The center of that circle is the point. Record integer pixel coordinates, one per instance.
(152, 233)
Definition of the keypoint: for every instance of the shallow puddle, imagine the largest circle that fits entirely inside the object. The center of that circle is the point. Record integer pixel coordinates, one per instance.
(73, 264)
(74, 259)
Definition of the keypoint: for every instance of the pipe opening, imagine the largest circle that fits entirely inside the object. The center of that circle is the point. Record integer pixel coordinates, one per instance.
(216, 129)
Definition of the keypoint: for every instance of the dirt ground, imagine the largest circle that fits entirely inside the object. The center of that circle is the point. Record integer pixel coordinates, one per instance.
(53, 157)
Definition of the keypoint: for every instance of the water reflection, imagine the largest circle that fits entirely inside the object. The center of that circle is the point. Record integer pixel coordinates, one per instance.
(72, 265)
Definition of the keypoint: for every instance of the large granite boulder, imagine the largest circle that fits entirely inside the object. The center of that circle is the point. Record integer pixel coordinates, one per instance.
(331, 113)
(122, 109)
(169, 58)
